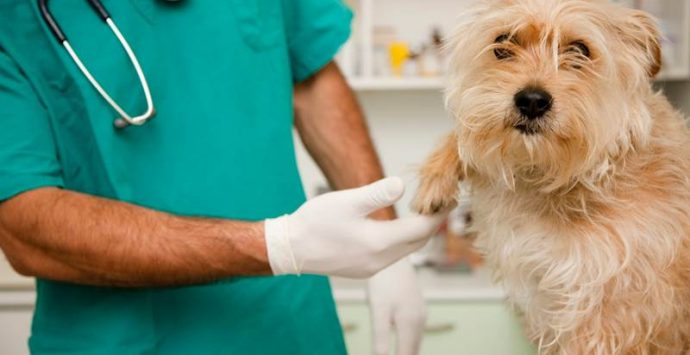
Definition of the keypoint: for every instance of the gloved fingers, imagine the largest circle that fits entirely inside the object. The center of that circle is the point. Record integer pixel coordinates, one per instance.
(412, 229)
(378, 195)
(396, 290)
(381, 328)
(409, 331)
(410, 248)
(414, 246)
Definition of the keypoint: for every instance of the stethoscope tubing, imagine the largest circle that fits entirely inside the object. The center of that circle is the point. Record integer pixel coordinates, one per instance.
(125, 119)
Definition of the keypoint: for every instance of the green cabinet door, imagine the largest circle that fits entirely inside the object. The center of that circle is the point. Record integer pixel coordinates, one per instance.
(453, 328)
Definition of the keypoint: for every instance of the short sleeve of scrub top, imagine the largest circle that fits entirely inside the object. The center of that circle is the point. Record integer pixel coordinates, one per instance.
(28, 156)
(312, 38)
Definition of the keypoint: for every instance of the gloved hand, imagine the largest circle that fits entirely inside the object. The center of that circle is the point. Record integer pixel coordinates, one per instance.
(331, 234)
(396, 305)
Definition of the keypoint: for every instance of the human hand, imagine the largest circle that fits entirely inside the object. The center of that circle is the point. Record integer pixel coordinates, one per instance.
(331, 234)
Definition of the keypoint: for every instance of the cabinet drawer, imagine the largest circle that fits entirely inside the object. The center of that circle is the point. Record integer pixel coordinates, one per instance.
(452, 329)
(15, 323)
(355, 321)
(474, 329)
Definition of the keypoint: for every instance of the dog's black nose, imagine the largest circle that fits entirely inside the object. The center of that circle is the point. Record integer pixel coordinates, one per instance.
(533, 103)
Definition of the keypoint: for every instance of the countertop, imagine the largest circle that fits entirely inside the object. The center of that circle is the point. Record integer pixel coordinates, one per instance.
(11, 280)
(15, 290)
(437, 287)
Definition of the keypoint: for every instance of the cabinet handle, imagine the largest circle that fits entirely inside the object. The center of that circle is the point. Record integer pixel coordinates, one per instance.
(439, 328)
(349, 327)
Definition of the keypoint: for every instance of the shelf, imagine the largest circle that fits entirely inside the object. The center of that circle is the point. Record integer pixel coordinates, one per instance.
(17, 298)
(438, 84)
(358, 60)
(395, 84)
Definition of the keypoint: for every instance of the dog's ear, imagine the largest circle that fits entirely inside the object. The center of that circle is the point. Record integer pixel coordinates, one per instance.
(640, 30)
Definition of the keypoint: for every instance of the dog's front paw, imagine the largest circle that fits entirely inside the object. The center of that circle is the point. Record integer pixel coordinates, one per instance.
(440, 179)
(436, 194)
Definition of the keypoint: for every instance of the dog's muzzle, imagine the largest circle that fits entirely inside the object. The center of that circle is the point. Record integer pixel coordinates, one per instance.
(533, 104)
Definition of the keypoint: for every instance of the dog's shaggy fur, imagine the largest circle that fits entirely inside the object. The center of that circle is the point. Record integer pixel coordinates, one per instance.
(584, 213)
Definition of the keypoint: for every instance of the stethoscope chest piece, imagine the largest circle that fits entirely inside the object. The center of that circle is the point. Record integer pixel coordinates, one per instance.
(121, 123)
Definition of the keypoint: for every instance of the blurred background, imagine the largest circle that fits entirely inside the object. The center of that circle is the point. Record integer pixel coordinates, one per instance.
(394, 63)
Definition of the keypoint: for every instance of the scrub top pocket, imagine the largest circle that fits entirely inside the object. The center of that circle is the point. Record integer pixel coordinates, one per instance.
(259, 22)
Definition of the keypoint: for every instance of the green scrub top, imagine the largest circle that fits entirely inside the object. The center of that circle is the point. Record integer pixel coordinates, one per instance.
(221, 75)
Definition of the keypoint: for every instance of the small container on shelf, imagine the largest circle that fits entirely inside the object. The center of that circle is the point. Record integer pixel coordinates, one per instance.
(432, 61)
(398, 54)
(383, 36)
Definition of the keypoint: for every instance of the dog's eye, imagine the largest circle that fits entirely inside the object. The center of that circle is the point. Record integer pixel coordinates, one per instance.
(503, 53)
(580, 48)
(502, 38)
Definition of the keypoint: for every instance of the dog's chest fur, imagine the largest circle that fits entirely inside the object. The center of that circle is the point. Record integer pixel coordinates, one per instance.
(590, 270)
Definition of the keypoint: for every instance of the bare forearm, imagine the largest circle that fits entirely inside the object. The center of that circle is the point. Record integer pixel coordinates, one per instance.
(68, 236)
(332, 127)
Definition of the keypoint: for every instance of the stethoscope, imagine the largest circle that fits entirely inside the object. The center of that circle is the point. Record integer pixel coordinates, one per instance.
(125, 119)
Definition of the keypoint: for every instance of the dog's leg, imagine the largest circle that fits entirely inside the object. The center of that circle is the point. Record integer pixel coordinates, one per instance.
(439, 179)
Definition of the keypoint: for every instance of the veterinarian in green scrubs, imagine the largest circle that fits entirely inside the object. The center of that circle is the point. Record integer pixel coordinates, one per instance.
(221, 74)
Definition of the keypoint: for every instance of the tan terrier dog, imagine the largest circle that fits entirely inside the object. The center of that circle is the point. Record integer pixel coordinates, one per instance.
(579, 170)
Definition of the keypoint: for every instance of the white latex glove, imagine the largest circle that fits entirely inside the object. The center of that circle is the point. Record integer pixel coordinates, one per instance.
(331, 234)
(397, 306)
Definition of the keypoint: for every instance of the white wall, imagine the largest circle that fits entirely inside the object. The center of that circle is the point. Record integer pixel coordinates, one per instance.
(679, 94)
(414, 19)
(405, 126)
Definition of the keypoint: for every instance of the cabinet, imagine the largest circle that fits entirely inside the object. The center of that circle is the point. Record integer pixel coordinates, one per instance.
(453, 328)
(467, 315)
(16, 311)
